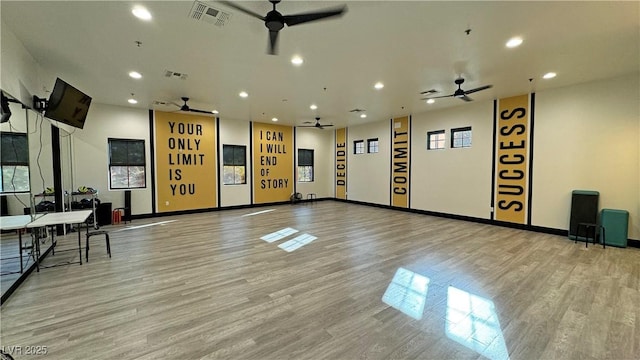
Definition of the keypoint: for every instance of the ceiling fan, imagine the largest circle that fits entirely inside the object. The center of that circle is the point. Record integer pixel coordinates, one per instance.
(460, 94)
(317, 125)
(186, 107)
(275, 21)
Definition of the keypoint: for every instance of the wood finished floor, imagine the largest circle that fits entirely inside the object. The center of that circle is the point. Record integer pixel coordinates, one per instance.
(205, 286)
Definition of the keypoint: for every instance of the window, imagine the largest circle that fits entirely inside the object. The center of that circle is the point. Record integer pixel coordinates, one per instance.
(372, 145)
(234, 161)
(127, 165)
(435, 140)
(358, 147)
(305, 165)
(461, 137)
(14, 160)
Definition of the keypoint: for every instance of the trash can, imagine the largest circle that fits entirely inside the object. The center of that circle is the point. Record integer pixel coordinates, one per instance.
(103, 213)
(616, 225)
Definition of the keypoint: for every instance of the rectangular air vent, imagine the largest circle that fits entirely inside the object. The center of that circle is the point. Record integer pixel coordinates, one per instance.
(201, 11)
(175, 75)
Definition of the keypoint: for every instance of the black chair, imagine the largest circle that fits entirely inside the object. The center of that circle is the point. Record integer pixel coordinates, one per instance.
(597, 229)
(95, 233)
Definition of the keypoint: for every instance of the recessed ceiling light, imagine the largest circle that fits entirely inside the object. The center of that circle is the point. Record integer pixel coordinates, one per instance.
(274, 119)
(141, 13)
(430, 101)
(135, 75)
(549, 75)
(214, 112)
(363, 115)
(313, 107)
(243, 94)
(132, 101)
(514, 42)
(378, 85)
(297, 60)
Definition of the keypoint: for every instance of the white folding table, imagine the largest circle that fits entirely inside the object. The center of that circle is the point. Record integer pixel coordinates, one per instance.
(17, 222)
(59, 218)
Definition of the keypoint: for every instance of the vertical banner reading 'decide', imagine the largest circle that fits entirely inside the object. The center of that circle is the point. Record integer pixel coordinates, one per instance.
(272, 162)
(341, 163)
(513, 124)
(185, 161)
(400, 137)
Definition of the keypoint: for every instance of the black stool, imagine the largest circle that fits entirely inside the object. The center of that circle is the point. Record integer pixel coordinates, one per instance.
(92, 233)
(597, 228)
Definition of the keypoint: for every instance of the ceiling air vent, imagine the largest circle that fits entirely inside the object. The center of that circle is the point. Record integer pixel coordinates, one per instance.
(175, 75)
(201, 11)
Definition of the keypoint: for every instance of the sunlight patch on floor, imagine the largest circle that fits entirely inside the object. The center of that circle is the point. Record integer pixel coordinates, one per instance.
(407, 293)
(279, 235)
(297, 242)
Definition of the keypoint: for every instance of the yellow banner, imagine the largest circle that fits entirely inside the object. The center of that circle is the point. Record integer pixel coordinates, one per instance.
(341, 163)
(400, 137)
(185, 161)
(272, 163)
(512, 159)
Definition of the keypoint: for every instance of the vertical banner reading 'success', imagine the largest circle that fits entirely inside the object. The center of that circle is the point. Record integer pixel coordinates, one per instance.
(400, 137)
(185, 161)
(513, 121)
(272, 163)
(341, 163)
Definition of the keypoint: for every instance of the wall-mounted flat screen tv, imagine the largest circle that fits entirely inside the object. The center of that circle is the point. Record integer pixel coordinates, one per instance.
(68, 105)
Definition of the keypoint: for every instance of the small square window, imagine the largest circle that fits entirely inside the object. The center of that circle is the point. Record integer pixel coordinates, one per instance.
(127, 164)
(461, 137)
(435, 140)
(14, 161)
(358, 147)
(372, 145)
(305, 165)
(234, 164)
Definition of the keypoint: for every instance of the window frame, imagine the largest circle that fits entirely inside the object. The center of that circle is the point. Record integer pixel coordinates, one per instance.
(15, 163)
(443, 141)
(358, 149)
(306, 165)
(454, 131)
(376, 147)
(128, 164)
(233, 163)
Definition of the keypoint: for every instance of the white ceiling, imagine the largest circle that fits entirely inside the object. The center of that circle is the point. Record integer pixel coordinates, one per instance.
(410, 46)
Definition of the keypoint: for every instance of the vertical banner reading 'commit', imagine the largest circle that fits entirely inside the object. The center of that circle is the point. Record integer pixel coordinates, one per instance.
(512, 156)
(272, 163)
(341, 163)
(400, 137)
(185, 161)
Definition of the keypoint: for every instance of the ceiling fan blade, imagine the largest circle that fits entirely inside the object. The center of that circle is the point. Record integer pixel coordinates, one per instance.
(465, 98)
(273, 42)
(438, 97)
(326, 125)
(291, 20)
(201, 111)
(478, 89)
(240, 8)
(306, 126)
